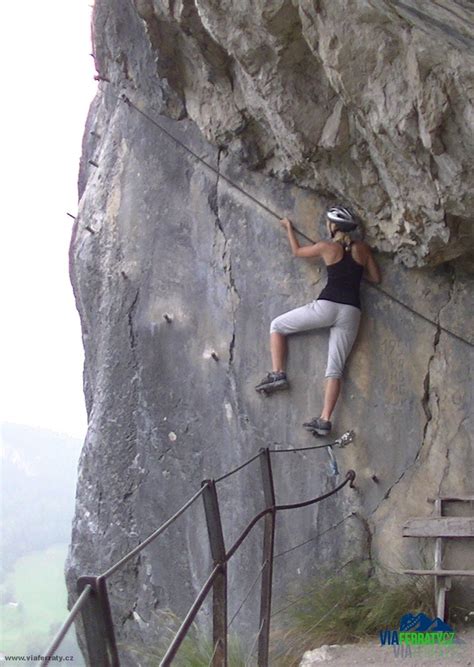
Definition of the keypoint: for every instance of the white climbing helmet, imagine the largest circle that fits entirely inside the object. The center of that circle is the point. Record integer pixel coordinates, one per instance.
(343, 218)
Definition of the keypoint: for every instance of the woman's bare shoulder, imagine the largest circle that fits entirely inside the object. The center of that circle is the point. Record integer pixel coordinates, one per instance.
(326, 244)
(329, 247)
(362, 247)
(361, 252)
(324, 247)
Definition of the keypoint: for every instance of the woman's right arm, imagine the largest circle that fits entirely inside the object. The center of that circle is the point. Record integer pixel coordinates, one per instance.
(372, 269)
(307, 251)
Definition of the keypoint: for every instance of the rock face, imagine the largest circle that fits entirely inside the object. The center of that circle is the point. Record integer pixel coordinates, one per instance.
(366, 100)
(298, 104)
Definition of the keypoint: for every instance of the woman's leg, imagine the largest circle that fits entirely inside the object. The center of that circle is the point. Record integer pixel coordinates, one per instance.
(332, 388)
(305, 318)
(311, 316)
(278, 349)
(341, 340)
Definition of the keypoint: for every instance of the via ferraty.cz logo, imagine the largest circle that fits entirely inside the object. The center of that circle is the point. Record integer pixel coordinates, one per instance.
(418, 632)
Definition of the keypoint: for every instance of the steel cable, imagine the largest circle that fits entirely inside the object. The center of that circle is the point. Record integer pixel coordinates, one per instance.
(304, 449)
(248, 592)
(126, 100)
(232, 472)
(252, 648)
(214, 652)
(311, 539)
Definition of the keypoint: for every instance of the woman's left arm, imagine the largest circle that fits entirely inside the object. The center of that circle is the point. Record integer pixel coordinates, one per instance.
(372, 269)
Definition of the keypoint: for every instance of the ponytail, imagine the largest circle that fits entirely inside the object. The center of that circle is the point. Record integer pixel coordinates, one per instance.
(343, 238)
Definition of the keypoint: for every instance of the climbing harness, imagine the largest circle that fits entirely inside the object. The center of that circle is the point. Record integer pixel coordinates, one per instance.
(126, 100)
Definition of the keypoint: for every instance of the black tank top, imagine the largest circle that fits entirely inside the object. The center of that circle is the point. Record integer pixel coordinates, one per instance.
(343, 281)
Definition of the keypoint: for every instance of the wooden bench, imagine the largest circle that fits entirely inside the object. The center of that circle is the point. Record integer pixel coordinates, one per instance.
(441, 527)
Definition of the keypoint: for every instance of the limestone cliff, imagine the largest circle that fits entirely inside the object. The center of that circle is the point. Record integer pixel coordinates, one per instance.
(299, 103)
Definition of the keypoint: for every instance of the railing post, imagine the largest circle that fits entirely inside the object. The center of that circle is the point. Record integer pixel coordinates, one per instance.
(219, 589)
(267, 558)
(98, 624)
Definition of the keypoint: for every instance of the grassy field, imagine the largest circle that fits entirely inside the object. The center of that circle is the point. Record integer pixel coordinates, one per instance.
(33, 604)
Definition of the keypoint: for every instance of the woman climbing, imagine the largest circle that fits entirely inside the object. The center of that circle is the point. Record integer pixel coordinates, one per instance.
(337, 307)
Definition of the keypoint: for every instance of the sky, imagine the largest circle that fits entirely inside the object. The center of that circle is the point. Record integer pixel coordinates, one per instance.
(47, 86)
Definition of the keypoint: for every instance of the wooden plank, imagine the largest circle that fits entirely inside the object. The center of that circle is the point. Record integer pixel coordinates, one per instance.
(442, 573)
(453, 526)
(461, 499)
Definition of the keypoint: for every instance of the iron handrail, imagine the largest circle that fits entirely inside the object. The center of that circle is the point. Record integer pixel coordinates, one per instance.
(190, 616)
(350, 476)
(232, 472)
(173, 648)
(153, 535)
(304, 449)
(51, 650)
(241, 538)
(199, 600)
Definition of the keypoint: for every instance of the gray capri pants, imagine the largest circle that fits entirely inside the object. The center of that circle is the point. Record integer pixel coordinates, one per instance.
(343, 320)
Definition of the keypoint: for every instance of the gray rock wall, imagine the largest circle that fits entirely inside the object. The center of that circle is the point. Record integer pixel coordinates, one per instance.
(160, 233)
(367, 100)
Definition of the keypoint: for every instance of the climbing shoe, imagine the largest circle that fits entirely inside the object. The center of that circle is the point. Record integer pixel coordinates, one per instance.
(319, 426)
(272, 382)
